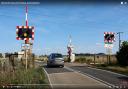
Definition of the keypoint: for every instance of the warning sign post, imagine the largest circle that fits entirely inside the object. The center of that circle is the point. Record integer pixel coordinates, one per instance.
(109, 39)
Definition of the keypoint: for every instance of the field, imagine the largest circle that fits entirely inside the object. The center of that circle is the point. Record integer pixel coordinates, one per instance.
(97, 59)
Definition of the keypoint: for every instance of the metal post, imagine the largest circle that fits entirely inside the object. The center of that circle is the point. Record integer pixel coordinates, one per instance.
(94, 59)
(26, 57)
(109, 52)
(26, 41)
(26, 14)
(109, 56)
(119, 39)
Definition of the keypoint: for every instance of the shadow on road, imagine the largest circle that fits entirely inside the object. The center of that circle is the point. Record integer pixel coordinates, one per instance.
(45, 66)
(55, 69)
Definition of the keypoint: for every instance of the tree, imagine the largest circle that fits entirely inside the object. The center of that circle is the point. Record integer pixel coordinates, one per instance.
(122, 55)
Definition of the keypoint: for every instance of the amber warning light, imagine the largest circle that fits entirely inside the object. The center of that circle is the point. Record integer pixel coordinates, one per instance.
(25, 32)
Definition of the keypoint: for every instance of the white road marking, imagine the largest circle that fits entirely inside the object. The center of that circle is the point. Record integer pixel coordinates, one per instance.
(109, 72)
(83, 74)
(48, 78)
(58, 73)
(90, 76)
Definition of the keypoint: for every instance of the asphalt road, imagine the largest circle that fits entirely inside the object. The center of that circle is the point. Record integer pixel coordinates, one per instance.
(76, 75)
(64, 78)
(110, 78)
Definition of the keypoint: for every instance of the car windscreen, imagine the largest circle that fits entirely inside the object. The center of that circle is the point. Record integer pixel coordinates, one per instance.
(57, 56)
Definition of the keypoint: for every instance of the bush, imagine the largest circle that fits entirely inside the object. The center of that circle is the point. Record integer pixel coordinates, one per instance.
(122, 55)
(80, 60)
(89, 61)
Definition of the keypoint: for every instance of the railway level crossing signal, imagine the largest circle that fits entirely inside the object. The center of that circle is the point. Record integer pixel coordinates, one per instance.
(109, 39)
(26, 33)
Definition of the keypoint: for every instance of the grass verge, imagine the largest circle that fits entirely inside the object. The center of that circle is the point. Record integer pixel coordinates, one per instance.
(31, 78)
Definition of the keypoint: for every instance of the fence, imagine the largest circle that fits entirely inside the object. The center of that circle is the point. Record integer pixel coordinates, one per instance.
(97, 59)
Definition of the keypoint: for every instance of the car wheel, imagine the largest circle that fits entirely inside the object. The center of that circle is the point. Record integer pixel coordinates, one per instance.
(47, 66)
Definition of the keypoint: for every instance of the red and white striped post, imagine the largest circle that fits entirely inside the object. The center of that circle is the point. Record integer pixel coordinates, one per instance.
(26, 41)
(26, 14)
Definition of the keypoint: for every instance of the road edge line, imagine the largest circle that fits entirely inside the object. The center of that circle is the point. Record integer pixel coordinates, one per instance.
(109, 71)
(85, 74)
(48, 78)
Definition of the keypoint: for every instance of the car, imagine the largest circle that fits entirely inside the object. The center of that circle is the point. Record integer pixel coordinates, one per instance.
(55, 59)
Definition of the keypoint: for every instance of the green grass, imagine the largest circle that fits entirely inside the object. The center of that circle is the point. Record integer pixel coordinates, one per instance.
(21, 76)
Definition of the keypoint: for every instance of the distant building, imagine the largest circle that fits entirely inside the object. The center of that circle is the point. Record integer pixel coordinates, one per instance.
(20, 54)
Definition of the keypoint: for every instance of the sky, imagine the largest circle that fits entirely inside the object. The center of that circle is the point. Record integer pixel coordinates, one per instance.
(86, 23)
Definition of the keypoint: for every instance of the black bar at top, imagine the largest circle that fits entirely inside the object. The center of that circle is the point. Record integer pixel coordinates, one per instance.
(67, 1)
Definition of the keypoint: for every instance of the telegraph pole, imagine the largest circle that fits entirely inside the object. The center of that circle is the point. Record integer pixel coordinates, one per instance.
(119, 33)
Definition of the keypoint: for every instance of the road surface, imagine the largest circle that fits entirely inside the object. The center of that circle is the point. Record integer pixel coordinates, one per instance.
(64, 78)
(80, 76)
(112, 79)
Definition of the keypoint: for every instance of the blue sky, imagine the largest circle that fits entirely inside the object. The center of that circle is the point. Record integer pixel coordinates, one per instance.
(86, 23)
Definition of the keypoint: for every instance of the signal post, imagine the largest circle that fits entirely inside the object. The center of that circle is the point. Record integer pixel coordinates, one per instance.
(26, 33)
(109, 38)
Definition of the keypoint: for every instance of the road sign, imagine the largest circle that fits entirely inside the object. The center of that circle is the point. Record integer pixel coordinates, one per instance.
(109, 37)
(108, 46)
(25, 46)
(25, 33)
